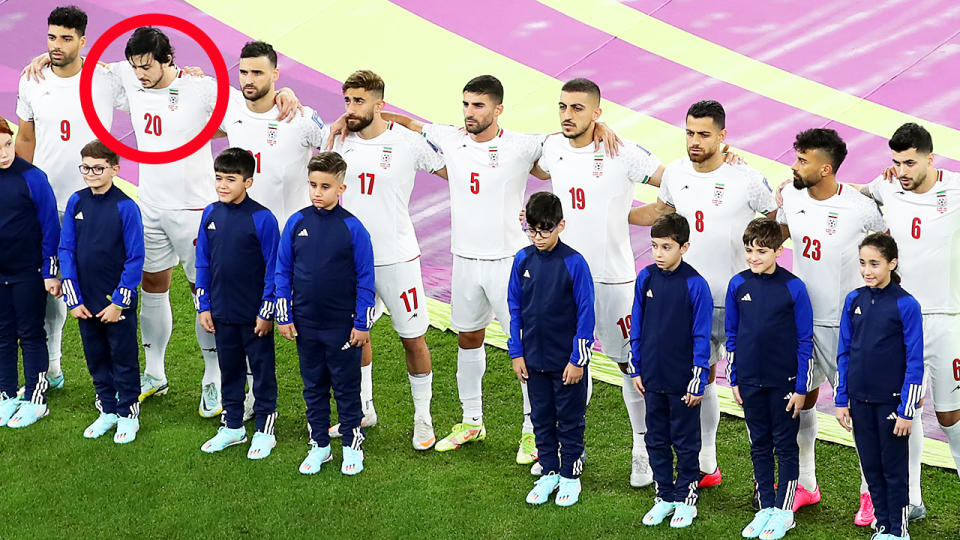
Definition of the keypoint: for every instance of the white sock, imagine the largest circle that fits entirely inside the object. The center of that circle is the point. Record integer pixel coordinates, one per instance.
(421, 388)
(709, 423)
(527, 409)
(366, 388)
(953, 438)
(53, 322)
(471, 364)
(636, 411)
(806, 439)
(208, 348)
(864, 488)
(916, 454)
(156, 325)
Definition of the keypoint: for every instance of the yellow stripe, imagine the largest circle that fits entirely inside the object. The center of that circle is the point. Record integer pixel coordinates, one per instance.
(723, 64)
(425, 68)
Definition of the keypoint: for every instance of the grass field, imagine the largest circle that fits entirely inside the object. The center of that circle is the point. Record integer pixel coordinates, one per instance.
(57, 484)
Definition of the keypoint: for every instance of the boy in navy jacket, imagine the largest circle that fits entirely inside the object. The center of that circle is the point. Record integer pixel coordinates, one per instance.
(550, 295)
(769, 326)
(325, 300)
(670, 362)
(880, 379)
(101, 252)
(29, 234)
(236, 261)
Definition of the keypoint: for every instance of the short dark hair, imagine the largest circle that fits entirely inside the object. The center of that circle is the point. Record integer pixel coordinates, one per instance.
(887, 246)
(256, 49)
(709, 108)
(544, 210)
(487, 85)
(149, 40)
(367, 80)
(97, 150)
(909, 136)
(582, 85)
(235, 161)
(5, 127)
(825, 140)
(328, 162)
(673, 226)
(69, 17)
(764, 232)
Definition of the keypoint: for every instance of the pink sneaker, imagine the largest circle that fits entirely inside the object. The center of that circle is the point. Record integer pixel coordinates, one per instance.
(802, 497)
(864, 516)
(710, 480)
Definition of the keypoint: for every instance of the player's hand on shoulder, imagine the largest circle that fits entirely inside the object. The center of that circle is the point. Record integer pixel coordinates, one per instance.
(288, 331)
(289, 104)
(731, 157)
(359, 338)
(602, 134)
(110, 314)
(34, 69)
(80, 311)
(890, 174)
(572, 374)
(262, 327)
(206, 322)
(520, 368)
(338, 132)
(779, 194)
(193, 71)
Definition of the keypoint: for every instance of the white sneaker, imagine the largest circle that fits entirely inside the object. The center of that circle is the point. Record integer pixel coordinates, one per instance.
(210, 404)
(640, 473)
(248, 402)
(536, 469)
(423, 436)
(369, 420)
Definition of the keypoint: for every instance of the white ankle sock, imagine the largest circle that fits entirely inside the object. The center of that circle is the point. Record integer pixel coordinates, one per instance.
(806, 439)
(156, 325)
(471, 365)
(208, 348)
(527, 409)
(53, 322)
(421, 388)
(366, 388)
(709, 423)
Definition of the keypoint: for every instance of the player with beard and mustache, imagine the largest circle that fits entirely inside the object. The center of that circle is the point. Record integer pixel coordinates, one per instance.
(53, 130)
(487, 170)
(382, 161)
(826, 221)
(719, 200)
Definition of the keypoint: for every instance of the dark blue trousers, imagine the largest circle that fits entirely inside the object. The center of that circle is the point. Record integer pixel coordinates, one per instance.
(883, 457)
(773, 431)
(23, 305)
(235, 344)
(112, 352)
(558, 414)
(672, 427)
(328, 361)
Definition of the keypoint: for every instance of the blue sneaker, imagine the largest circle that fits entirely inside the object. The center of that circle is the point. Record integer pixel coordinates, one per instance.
(104, 423)
(683, 515)
(127, 429)
(224, 438)
(569, 492)
(756, 526)
(8, 408)
(261, 445)
(56, 381)
(28, 414)
(780, 522)
(152, 386)
(660, 510)
(352, 461)
(315, 459)
(542, 488)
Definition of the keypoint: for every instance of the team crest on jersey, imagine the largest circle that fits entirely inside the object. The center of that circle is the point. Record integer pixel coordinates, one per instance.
(598, 165)
(173, 101)
(832, 222)
(942, 202)
(717, 194)
(272, 133)
(385, 157)
(494, 157)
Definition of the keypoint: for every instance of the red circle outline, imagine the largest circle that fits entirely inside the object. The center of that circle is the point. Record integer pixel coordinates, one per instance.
(220, 71)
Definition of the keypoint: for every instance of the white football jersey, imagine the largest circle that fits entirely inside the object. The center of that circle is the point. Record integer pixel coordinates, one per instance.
(281, 149)
(380, 175)
(487, 182)
(596, 192)
(53, 105)
(718, 205)
(926, 227)
(164, 119)
(826, 235)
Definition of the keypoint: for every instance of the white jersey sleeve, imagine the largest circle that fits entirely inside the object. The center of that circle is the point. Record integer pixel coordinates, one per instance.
(641, 164)
(315, 132)
(440, 135)
(874, 189)
(872, 218)
(24, 107)
(759, 195)
(665, 194)
(426, 156)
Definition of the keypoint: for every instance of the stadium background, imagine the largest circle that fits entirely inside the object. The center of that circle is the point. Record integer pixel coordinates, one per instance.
(862, 68)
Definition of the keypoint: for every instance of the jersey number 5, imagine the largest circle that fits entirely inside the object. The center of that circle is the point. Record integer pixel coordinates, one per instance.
(475, 183)
(811, 248)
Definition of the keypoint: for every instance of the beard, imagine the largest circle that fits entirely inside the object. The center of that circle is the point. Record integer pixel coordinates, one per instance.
(65, 60)
(357, 123)
(478, 128)
(574, 135)
(704, 155)
(260, 92)
(798, 181)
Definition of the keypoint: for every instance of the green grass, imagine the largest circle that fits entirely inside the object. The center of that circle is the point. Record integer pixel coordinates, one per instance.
(58, 484)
